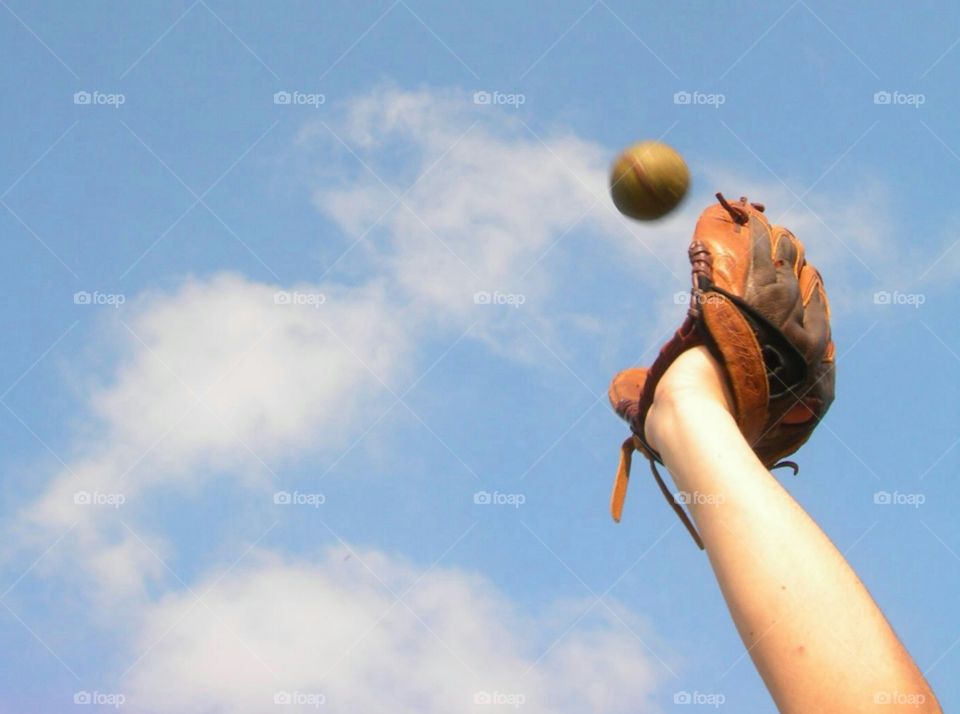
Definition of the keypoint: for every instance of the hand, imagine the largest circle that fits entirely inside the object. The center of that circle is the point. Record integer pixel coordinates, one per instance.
(693, 379)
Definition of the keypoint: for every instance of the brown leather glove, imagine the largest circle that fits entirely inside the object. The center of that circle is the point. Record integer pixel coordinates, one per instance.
(762, 311)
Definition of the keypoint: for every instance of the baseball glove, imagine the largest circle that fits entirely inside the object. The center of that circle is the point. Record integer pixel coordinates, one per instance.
(762, 311)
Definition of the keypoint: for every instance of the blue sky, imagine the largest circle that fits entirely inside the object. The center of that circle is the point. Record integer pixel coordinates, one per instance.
(282, 300)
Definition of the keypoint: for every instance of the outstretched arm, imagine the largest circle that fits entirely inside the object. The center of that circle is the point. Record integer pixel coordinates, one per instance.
(814, 632)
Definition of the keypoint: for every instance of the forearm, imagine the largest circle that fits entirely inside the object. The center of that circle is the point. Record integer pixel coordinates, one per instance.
(815, 634)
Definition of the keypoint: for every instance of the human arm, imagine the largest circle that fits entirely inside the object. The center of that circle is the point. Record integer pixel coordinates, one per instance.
(817, 638)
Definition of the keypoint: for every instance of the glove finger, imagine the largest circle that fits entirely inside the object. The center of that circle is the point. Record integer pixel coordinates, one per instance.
(817, 344)
(761, 267)
(775, 291)
(816, 314)
(787, 251)
(624, 391)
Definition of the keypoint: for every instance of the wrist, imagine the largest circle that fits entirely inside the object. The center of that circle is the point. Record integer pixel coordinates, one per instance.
(673, 413)
(691, 388)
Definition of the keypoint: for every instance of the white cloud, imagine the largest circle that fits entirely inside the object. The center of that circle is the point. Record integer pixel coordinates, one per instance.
(333, 629)
(216, 378)
(490, 199)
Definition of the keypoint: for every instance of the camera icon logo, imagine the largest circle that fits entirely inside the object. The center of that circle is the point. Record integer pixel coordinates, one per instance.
(282, 97)
(682, 97)
(82, 298)
(482, 498)
(282, 498)
(482, 98)
(282, 298)
(82, 97)
(82, 498)
(881, 297)
(282, 698)
(882, 98)
(883, 498)
(482, 298)
(682, 698)
(482, 698)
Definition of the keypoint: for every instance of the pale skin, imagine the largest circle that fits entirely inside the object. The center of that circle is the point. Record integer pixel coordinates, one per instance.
(817, 638)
